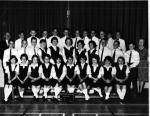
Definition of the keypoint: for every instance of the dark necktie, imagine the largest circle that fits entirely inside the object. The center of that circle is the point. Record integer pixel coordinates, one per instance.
(10, 53)
(102, 54)
(25, 50)
(34, 51)
(114, 55)
(130, 58)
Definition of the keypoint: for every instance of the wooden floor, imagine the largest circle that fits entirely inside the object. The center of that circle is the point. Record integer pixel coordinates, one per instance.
(95, 107)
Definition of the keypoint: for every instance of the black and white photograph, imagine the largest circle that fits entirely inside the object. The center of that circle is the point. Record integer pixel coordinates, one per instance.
(74, 58)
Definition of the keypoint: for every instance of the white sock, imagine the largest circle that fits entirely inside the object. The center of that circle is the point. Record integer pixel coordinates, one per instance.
(107, 95)
(57, 90)
(46, 89)
(21, 93)
(123, 93)
(7, 92)
(119, 93)
(99, 91)
(87, 97)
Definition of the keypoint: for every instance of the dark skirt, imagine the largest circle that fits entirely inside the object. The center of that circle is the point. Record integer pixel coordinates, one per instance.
(26, 84)
(37, 83)
(96, 84)
(14, 82)
(51, 82)
(75, 82)
(121, 83)
(103, 83)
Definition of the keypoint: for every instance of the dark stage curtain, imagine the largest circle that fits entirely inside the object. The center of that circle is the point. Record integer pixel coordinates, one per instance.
(128, 17)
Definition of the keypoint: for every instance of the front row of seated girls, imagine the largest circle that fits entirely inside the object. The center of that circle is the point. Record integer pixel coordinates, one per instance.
(80, 78)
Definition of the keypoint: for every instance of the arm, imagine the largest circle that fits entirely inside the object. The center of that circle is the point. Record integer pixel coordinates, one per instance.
(64, 73)
(40, 55)
(136, 60)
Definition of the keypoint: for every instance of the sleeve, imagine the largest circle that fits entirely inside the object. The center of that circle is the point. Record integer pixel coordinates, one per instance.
(126, 56)
(29, 69)
(39, 52)
(127, 71)
(5, 58)
(48, 51)
(113, 71)
(53, 73)
(64, 73)
(77, 70)
(88, 71)
(136, 60)
(101, 72)
(17, 69)
(63, 55)
(123, 46)
(7, 70)
(41, 71)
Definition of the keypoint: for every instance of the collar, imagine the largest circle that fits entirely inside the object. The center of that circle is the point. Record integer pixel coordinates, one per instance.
(26, 64)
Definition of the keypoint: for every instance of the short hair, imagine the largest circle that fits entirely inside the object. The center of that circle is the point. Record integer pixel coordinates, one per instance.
(35, 56)
(60, 57)
(24, 55)
(68, 38)
(42, 41)
(33, 38)
(131, 43)
(92, 42)
(120, 57)
(70, 56)
(117, 42)
(13, 56)
(47, 55)
(81, 41)
(11, 40)
(109, 59)
(96, 57)
(54, 38)
(84, 57)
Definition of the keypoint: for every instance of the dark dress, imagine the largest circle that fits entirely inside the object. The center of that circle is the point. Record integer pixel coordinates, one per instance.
(143, 65)
(44, 53)
(12, 75)
(108, 76)
(90, 55)
(95, 75)
(54, 54)
(70, 74)
(35, 74)
(68, 52)
(23, 72)
(121, 74)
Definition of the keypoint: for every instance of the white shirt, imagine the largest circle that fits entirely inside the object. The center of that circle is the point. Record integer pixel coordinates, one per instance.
(6, 55)
(30, 51)
(118, 54)
(127, 70)
(18, 43)
(29, 41)
(52, 73)
(135, 58)
(106, 52)
(110, 43)
(94, 69)
(49, 40)
(86, 42)
(13, 68)
(113, 72)
(61, 43)
(88, 70)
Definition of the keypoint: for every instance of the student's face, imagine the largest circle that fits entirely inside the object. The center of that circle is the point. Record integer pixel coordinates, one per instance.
(34, 42)
(109, 35)
(55, 32)
(24, 59)
(68, 42)
(66, 32)
(11, 44)
(80, 46)
(120, 61)
(117, 35)
(44, 33)
(91, 46)
(141, 42)
(115, 45)
(21, 35)
(85, 34)
(13, 61)
(107, 63)
(94, 61)
(82, 60)
(43, 45)
(46, 59)
(35, 60)
(7, 36)
(58, 60)
(33, 33)
(77, 33)
(70, 61)
(92, 33)
(131, 47)
(55, 42)
(24, 44)
(103, 42)
(101, 34)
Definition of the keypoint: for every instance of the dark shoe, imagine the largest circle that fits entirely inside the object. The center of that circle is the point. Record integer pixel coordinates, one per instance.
(5, 102)
(44, 99)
